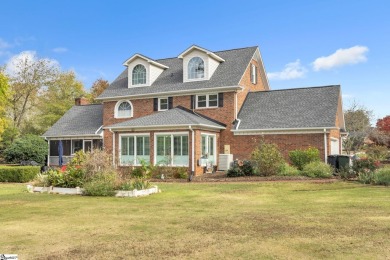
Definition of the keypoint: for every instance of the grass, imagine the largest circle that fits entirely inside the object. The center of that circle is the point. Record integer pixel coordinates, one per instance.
(264, 220)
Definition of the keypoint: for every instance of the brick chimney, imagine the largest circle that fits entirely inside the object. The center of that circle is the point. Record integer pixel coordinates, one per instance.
(81, 101)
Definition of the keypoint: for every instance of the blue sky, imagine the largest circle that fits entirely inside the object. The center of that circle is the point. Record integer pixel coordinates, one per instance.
(303, 43)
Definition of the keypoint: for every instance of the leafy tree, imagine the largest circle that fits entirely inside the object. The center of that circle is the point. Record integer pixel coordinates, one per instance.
(97, 88)
(58, 98)
(28, 147)
(4, 92)
(381, 134)
(27, 76)
(357, 122)
(383, 124)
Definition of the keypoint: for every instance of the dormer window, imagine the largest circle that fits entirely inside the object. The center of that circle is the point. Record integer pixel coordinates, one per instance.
(139, 75)
(123, 109)
(196, 68)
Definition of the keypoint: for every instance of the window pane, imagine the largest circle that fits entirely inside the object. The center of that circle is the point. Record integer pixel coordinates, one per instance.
(124, 146)
(184, 145)
(139, 75)
(195, 68)
(77, 145)
(163, 104)
(160, 145)
(168, 145)
(211, 145)
(140, 145)
(146, 145)
(213, 100)
(204, 148)
(177, 145)
(124, 109)
(131, 145)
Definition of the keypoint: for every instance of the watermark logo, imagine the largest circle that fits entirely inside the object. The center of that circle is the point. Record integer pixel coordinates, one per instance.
(8, 257)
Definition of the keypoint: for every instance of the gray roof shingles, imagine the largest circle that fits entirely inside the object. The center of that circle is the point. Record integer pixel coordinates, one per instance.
(78, 121)
(290, 108)
(171, 117)
(228, 73)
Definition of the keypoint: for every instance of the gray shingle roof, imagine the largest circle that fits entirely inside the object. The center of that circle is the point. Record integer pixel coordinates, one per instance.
(79, 120)
(172, 117)
(228, 73)
(290, 108)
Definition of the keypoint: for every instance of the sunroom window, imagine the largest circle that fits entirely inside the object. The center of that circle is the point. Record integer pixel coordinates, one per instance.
(172, 149)
(134, 149)
(196, 68)
(139, 75)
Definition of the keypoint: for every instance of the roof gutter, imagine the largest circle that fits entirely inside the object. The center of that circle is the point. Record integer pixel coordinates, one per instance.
(163, 126)
(173, 93)
(282, 129)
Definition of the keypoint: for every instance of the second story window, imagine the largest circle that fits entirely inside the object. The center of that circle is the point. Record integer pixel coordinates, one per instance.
(162, 104)
(196, 68)
(123, 109)
(139, 75)
(209, 100)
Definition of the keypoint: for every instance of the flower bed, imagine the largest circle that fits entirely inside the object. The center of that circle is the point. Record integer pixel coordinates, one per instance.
(79, 191)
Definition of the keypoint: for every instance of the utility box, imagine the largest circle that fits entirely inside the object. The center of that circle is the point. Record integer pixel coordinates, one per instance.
(225, 161)
(226, 149)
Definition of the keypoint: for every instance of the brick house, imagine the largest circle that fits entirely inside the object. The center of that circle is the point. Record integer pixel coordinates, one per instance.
(198, 110)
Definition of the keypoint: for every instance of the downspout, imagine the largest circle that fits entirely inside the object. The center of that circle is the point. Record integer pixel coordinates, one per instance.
(325, 146)
(192, 153)
(48, 152)
(113, 146)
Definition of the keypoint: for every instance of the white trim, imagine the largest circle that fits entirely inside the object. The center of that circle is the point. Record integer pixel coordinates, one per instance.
(117, 106)
(283, 129)
(215, 145)
(164, 126)
(325, 146)
(172, 147)
(254, 74)
(113, 147)
(209, 53)
(192, 150)
(159, 104)
(174, 93)
(207, 101)
(126, 63)
(61, 137)
(135, 146)
(98, 129)
(48, 153)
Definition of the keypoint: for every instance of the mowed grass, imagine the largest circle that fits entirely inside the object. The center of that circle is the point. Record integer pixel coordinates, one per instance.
(264, 220)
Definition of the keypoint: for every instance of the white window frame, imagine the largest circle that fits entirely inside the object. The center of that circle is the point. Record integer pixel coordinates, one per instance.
(172, 134)
(159, 103)
(117, 107)
(254, 73)
(188, 69)
(207, 144)
(146, 75)
(207, 100)
(135, 147)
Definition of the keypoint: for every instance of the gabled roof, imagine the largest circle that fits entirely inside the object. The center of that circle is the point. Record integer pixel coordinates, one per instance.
(78, 121)
(301, 108)
(176, 117)
(228, 73)
(149, 60)
(195, 47)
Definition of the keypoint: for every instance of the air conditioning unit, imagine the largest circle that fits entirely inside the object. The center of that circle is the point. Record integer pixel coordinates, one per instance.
(225, 161)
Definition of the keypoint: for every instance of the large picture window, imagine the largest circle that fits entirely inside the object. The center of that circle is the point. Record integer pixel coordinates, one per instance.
(172, 149)
(139, 75)
(134, 148)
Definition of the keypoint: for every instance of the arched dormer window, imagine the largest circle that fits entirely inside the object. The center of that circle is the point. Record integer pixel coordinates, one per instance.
(139, 75)
(123, 109)
(195, 68)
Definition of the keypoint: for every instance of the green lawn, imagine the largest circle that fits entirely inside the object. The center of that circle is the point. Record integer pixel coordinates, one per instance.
(263, 220)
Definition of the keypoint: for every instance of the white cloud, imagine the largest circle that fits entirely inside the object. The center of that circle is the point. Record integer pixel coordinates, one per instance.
(292, 70)
(341, 57)
(348, 96)
(28, 57)
(4, 44)
(60, 50)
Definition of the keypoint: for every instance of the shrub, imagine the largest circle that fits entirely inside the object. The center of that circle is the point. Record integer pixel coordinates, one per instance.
(317, 169)
(368, 177)
(364, 165)
(137, 172)
(100, 185)
(267, 159)
(300, 158)
(180, 173)
(41, 180)
(140, 184)
(288, 170)
(27, 148)
(346, 173)
(247, 168)
(383, 176)
(18, 173)
(235, 171)
(377, 152)
(71, 178)
(97, 162)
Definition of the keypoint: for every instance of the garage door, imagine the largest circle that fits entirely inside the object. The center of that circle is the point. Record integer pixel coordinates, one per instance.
(334, 146)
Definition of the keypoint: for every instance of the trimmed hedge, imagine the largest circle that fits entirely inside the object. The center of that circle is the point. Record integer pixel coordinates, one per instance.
(18, 173)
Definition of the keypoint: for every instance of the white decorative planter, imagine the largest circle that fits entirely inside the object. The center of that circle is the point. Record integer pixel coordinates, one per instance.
(71, 191)
(38, 189)
(136, 193)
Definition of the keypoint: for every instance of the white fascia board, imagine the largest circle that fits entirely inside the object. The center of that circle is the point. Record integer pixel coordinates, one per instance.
(154, 127)
(58, 137)
(146, 59)
(310, 130)
(209, 53)
(174, 93)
